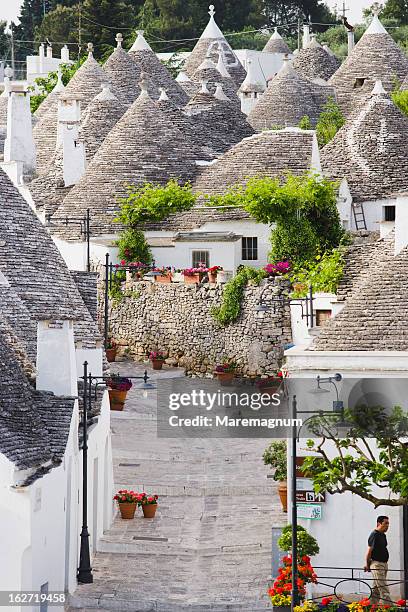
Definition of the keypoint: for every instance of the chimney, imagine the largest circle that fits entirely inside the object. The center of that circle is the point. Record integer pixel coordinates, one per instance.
(41, 55)
(350, 41)
(401, 222)
(56, 361)
(73, 151)
(49, 51)
(19, 145)
(306, 35)
(65, 54)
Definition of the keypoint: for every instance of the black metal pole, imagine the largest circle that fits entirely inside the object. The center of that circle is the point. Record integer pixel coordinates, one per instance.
(405, 541)
(106, 317)
(85, 569)
(295, 590)
(88, 240)
(311, 306)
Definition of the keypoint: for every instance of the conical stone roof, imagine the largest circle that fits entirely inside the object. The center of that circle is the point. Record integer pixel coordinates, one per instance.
(276, 44)
(288, 98)
(313, 62)
(123, 72)
(51, 101)
(207, 71)
(86, 83)
(186, 83)
(211, 42)
(148, 62)
(404, 84)
(375, 56)
(219, 124)
(270, 153)
(370, 150)
(144, 146)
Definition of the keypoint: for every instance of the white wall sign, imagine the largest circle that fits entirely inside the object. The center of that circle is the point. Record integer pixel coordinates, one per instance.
(309, 511)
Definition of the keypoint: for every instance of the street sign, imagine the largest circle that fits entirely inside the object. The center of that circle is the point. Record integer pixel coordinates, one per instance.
(310, 497)
(309, 511)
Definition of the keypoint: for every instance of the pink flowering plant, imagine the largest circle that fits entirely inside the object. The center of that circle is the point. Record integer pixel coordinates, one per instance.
(147, 500)
(119, 383)
(163, 271)
(200, 269)
(156, 356)
(227, 366)
(278, 269)
(123, 496)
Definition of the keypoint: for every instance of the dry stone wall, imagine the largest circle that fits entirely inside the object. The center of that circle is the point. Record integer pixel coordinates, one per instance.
(176, 319)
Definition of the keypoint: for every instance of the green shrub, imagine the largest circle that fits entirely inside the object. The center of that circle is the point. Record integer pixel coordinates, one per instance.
(307, 544)
(275, 455)
(133, 246)
(233, 294)
(323, 273)
(400, 99)
(329, 123)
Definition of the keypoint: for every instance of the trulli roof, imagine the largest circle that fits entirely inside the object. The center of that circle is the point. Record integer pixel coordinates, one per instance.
(147, 61)
(370, 149)
(270, 153)
(86, 83)
(314, 62)
(211, 42)
(186, 83)
(207, 71)
(51, 101)
(124, 73)
(288, 98)
(404, 84)
(219, 124)
(276, 44)
(144, 146)
(375, 56)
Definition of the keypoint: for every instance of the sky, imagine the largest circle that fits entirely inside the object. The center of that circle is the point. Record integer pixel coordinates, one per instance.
(9, 9)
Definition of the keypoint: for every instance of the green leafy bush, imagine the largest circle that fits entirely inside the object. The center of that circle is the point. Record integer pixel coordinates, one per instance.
(151, 202)
(329, 123)
(323, 273)
(233, 294)
(307, 544)
(275, 455)
(133, 246)
(305, 123)
(400, 99)
(46, 84)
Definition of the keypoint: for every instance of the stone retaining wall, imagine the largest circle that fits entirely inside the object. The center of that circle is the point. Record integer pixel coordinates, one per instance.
(176, 319)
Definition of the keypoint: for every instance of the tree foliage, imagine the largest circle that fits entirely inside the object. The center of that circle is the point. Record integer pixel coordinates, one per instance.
(307, 544)
(4, 40)
(44, 85)
(371, 454)
(59, 26)
(397, 9)
(400, 99)
(323, 273)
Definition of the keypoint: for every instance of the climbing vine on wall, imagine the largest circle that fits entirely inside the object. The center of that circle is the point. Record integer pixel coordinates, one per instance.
(233, 294)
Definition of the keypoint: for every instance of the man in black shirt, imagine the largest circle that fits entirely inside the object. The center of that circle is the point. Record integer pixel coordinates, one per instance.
(377, 561)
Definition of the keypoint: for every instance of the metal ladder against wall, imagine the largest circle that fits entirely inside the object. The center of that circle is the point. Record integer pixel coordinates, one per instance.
(359, 216)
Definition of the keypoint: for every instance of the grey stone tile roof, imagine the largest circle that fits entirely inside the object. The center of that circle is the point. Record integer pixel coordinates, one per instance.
(86, 83)
(187, 84)
(33, 266)
(147, 61)
(370, 150)
(207, 71)
(375, 56)
(276, 44)
(209, 47)
(218, 124)
(124, 74)
(3, 111)
(288, 98)
(15, 314)
(375, 317)
(270, 153)
(314, 62)
(87, 286)
(144, 146)
(404, 85)
(34, 425)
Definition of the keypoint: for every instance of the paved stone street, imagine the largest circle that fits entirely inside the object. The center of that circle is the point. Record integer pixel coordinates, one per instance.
(209, 547)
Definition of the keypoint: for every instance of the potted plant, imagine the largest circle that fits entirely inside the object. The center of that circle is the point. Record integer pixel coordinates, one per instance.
(177, 276)
(271, 384)
(225, 371)
(162, 275)
(213, 272)
(157, 359)
(111, 350)
(127, 502)
(281, 590)
(149, 505)
(276, 456)
(118, 388)
(195, 275)
(278, 269)
(307, 545)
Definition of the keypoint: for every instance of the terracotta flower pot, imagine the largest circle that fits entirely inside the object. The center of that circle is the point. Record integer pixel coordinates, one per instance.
(149, 510)
(111, 354)
(283, 494)
(127, 509)
(271, 387)
(157, 364)
(117, 399)
(163, 278)
(193, 278)
(225, 378)
(212, 277)
(300, 287)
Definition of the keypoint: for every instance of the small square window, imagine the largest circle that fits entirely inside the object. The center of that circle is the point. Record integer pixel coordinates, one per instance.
(249, 249)
(200, 258)
(389, 213)
(322, 316)
(359, 82)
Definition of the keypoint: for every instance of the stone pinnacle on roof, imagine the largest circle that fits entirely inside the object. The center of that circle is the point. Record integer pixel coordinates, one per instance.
(163, 95)
(208, 46)
(219, 93)
(186, 83)
(209, 72)
(123, 73)
(313, 62)
(276, 44)
(251, 84)
(370, 149)
(221, 67)
(143, 147)
(375, 56)
(288, 98)
(147, 61)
